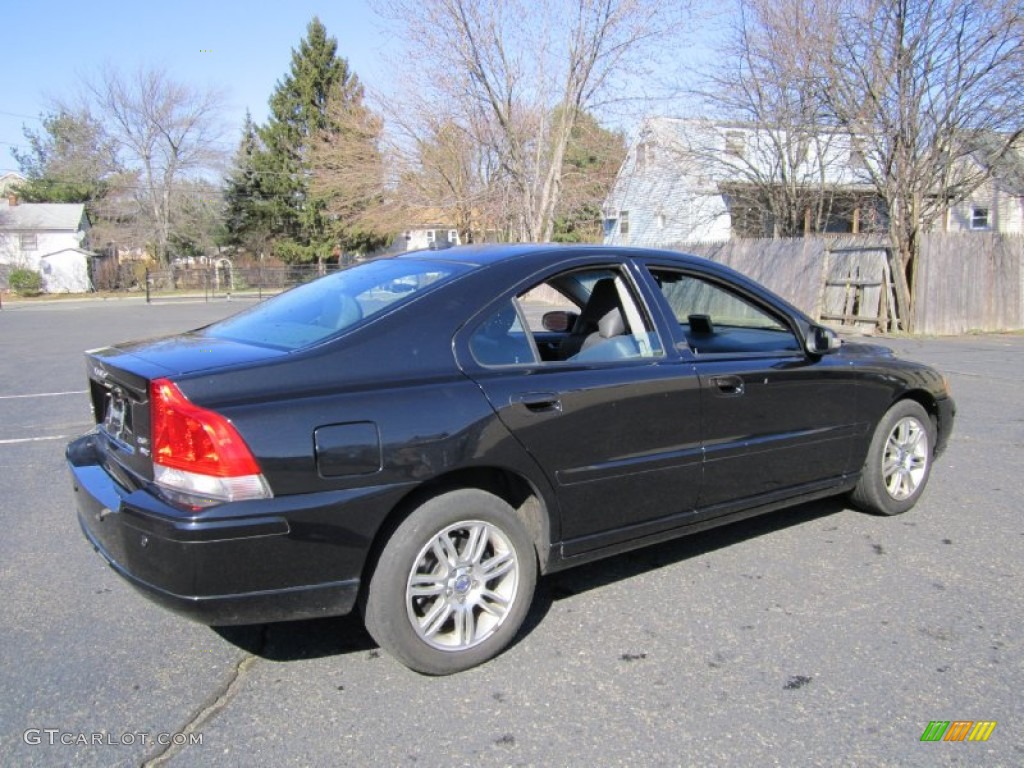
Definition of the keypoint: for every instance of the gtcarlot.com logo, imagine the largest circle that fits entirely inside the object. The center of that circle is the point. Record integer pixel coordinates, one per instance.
(55, 736)
(958, 730)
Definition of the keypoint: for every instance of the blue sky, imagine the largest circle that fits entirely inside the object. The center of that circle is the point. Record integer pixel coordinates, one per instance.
(243, 48)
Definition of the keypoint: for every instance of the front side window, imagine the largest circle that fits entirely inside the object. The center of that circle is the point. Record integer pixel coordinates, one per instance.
(716, 320)
(583, 316)
(623, 222)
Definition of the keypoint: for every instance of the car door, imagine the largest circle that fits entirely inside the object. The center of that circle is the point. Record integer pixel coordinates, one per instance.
(775, 421)
(615, 425)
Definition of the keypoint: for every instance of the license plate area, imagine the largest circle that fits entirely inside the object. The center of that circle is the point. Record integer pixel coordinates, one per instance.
(117, 418)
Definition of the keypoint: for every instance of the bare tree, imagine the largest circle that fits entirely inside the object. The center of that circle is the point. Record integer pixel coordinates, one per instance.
(769, 148)
(447, 174)
(443, 174)
(519, 73)
(348, 173)
(920, 98)
(926, 85)
(164, 131)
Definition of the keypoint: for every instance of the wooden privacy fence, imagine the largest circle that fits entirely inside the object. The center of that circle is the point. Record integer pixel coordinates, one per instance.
(965, 282)
(970, 281)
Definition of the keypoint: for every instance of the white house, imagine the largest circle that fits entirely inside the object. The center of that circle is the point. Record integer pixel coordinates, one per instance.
(998, 204)
(50, 238)
(431, 236)
(694, 180)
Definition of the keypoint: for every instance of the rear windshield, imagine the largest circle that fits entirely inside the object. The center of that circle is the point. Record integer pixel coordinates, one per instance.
(312, 312)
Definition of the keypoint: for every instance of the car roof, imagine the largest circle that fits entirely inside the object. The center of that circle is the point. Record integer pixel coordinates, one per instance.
(486, 254)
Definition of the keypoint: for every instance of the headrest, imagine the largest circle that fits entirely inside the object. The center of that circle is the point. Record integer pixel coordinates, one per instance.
(611, 325)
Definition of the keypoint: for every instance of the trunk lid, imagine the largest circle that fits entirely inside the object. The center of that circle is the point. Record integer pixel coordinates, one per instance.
(119, 379)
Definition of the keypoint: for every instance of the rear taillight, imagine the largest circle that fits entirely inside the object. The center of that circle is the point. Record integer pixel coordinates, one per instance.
(198, 455)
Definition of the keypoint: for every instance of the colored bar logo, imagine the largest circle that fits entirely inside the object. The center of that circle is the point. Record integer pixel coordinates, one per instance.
(958, 730)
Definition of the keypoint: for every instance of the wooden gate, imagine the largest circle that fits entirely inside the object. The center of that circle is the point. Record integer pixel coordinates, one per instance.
(857, 290)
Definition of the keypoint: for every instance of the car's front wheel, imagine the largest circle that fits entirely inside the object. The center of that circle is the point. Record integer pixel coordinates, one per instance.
(452, 584)
(899, 461)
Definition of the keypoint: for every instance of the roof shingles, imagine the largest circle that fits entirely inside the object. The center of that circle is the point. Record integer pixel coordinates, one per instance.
(46, 217)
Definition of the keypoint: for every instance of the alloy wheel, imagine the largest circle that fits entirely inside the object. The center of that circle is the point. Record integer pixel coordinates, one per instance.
(462, 585)
(905, 459)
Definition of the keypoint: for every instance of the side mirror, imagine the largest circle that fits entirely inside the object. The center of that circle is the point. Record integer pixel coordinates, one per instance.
(821, 340)
(559, 321)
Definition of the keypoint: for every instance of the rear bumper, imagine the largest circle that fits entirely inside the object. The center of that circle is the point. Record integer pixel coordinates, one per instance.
(241, 608)
(279, 559)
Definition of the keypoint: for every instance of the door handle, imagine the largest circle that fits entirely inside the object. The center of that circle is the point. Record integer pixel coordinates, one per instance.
(538, 402)
(730, 386)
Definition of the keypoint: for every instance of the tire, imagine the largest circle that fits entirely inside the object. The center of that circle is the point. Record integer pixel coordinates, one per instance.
(453, 583)
(899, 461)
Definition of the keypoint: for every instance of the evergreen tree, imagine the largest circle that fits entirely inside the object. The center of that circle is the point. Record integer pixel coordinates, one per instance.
(247, 211)
(304, 230)
(67, 162)
(593, 156)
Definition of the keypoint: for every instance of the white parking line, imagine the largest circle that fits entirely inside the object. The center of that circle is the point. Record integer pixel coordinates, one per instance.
(45, 394)
(15, 441)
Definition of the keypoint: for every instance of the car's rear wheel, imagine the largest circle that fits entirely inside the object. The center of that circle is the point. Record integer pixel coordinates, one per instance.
(452, 584)
(899, 461)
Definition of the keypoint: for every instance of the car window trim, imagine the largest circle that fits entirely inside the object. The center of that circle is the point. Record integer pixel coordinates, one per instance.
(521, 314)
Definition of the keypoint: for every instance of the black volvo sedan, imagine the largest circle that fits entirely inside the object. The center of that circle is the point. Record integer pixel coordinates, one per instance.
(422, 436)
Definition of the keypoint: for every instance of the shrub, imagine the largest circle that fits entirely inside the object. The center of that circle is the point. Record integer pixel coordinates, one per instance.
(26, 282)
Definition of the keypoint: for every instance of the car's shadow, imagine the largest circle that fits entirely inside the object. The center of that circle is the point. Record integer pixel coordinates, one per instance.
(318, 638)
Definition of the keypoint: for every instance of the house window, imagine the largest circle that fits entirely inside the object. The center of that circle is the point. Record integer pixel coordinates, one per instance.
(857, 161)
(430, 235)
(980, 218)
(645, 154)
(29, 242)
(623, 222)
(660, 220)
(453, 236)
(735, 143)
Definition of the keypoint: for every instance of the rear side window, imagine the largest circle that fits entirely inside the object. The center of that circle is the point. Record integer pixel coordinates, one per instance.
(314, 311)
(587, 316)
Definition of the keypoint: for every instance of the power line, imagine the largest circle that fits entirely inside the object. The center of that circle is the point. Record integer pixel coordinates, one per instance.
(16, 114)
(215, 195)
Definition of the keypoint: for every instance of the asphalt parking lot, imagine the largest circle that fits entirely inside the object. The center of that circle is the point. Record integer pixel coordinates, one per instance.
(816, 636)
